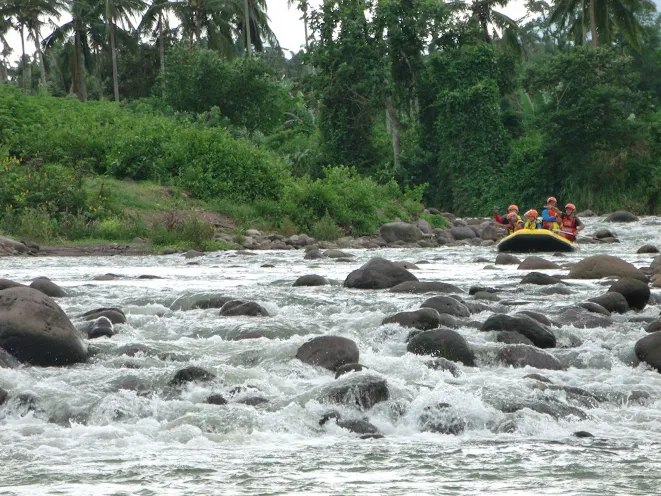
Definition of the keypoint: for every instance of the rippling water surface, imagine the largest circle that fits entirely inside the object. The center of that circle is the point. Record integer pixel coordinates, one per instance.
(115, 426)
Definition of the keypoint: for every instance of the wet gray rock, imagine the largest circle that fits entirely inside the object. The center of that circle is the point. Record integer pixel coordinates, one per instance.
(250, 335)
(538, 333)
(101, 327)
(216, 399)
(648, 249)
(550, 406)
(482, 289)
(582, 318)
(604, 233)
(648, 350)
(441, 419)
(191, 374)
(113, 314)
(34, 329)
(421, 287)
(236, 308)
(461, 232)
(400, 231)
(554, 290)
(484, 295)
(6, 284)
(540, 279)
(443, 343)
(613, 302)
(211, 302)
(48, 287)
(582, 434)
(507, 259)
(521, 355)
(621, 216)
(537, 263)
(8, 361)
(424, 226)
(443, 364)
(337, 254)
(538, 377)
(443, 236)
(425, 318)
(357, 426)
(600, 266)
(253, 401)
(513, 337)
(653, 326)
(3, 396)
(447, 305)
(329, 352)
(349, 367)
(378, 273)
(591, 306)
(636, 293)
(311, 280)
(541, 318)
(314, 255)
(193, 254)
(360, 390)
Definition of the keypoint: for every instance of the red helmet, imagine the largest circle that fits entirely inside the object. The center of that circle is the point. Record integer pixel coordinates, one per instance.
(551, 199)
(513, 207)
(532, 213)
(512, 215)
(570, 206)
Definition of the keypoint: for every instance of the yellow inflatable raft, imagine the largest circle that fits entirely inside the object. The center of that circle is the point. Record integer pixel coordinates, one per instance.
(528, 241)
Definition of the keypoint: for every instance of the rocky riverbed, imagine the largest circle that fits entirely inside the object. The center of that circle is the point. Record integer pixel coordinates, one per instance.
(388, 370)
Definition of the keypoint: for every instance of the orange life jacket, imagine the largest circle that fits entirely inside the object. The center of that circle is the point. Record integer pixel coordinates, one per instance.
(569, 224)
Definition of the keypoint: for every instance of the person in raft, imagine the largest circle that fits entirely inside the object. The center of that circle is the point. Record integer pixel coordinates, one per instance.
(551, 214)
(531, 220)
(569, 223)
(506, 220)
(514, 222)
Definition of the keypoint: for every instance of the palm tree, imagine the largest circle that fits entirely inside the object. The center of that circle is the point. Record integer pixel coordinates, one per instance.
(155, 14)
(6, 49)
(604, 17)
(33, 10)
(119, 10)
(255, 27)
(85, 24)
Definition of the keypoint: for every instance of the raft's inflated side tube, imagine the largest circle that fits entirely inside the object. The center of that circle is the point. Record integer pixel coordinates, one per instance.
(528, 241)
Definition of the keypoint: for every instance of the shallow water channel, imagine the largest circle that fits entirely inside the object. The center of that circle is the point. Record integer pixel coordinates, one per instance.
(115, 426)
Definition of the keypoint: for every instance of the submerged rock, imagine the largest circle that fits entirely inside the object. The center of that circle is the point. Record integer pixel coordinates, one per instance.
(378, 273)
(113, 314)
(582, 318)
(329, 352)
(191, 374)
(537, 263)
(360, 390)
(442, 419)
(311, 280)
(648, 350)
(621, 216)
(507, 259)
(208, 302)
(48, 287)
(540, 279)
(425, 318)
(613, 302)
(34, 329)
(538, 333)
(98, 328)
(237, 308)
(521, 355)
(443, 343)
(348, 368)
(419, 287)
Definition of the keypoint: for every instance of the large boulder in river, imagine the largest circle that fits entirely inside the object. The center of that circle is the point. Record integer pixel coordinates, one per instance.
(538, 333)
(400, 231)
(442, 343)
(599, 266)
(311, 280)
(583, 318)
(329, 352)
(360, 390)
(636, 292)
(12, 246)
(48, 287)
(648, 249)
(6, 283)
(34, 329)
(425, 318)
(98, 328)
(648, 350)
(236, 308)
(462, 232)
(613, 302)
(378, 273)
(621, 216)
(537, 263)
(521, 355)
(591, 306)
(419, 287)
(448, 305)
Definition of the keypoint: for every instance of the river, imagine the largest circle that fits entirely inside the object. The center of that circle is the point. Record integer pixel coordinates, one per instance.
(114, 426)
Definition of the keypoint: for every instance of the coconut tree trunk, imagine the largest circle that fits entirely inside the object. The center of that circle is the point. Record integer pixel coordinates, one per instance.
(246, 14)
(161, 43)
(113, 54)
(23, 60)
(3, 72)
(40, 54)
(394, 126)
(593, 25)
(98, 71)
(78, 79)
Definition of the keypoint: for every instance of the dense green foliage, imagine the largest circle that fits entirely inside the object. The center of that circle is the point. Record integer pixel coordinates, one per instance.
(392, 104)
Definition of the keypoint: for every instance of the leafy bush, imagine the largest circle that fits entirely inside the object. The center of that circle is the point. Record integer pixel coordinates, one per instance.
(326, 229)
